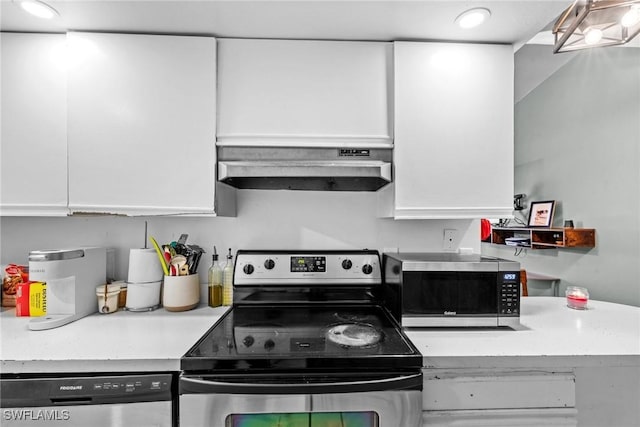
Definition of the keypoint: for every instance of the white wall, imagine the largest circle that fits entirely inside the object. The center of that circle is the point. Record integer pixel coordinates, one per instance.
(266, 219)
(577, 141)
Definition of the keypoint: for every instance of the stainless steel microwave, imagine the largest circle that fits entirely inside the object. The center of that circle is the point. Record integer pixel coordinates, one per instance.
(451, 290)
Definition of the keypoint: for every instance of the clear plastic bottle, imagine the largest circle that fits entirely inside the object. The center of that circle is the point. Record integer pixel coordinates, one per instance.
(227, 281)
(215, 281)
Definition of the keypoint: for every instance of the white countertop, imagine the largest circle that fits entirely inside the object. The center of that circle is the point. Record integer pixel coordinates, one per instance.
(554, 335)
(118, 342)
(551, 335)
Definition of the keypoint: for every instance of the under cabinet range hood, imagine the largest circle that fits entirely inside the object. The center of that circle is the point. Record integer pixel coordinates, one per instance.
(304, 114)
(317, 169)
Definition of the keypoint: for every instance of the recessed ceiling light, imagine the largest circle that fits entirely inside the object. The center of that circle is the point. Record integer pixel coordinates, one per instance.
(38, 8)
(473, 17)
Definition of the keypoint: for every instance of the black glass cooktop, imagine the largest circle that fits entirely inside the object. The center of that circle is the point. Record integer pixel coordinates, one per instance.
(289, 337)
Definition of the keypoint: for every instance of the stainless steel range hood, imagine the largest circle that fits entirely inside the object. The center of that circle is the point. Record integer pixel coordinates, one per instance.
(296, 168)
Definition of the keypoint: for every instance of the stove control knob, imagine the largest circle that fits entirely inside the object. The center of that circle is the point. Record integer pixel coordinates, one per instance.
(346, 264)
(248, 341)
(248, 269)
(269, 264)
(367, 269)
(269, 344)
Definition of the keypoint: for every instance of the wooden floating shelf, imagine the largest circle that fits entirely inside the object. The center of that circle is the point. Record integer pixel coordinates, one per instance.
(546, 238)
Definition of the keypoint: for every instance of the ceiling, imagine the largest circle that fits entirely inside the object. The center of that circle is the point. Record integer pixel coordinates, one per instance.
(512, 21)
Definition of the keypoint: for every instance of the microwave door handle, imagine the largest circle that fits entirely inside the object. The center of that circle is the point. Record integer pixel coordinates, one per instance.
(191, 385)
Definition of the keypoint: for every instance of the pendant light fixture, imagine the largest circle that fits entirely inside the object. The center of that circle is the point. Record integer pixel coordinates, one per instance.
(594, 23)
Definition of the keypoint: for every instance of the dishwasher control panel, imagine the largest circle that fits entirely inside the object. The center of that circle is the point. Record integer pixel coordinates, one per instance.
(85, 390)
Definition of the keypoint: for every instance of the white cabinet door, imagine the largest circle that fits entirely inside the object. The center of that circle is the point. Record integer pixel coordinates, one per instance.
(495, 397)
(453, 148)
(34, 125)
(457, 390)
(142, 116)
(304, 92)
(538, 417)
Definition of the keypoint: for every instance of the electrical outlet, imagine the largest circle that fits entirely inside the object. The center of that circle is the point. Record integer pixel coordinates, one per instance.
(449, 240)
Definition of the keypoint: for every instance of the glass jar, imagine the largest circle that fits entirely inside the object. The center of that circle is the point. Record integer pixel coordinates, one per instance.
(577, 297)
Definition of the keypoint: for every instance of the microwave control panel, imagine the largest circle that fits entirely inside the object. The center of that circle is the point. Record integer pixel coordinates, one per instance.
(509, 304)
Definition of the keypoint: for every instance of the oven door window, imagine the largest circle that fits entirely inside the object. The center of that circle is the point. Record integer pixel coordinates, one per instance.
(465, 293)
(301, 419)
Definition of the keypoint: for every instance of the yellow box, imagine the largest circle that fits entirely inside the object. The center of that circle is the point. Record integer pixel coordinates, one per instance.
(31, 299)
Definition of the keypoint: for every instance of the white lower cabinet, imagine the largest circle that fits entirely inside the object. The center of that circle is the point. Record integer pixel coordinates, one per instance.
(608, 395)
(498, 398)
(557, 417)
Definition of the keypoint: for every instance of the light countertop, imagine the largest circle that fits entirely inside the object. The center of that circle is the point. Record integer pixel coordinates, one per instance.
(118, 342)
(551, 335)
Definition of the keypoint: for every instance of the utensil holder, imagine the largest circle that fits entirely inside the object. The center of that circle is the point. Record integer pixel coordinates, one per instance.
(181, 293)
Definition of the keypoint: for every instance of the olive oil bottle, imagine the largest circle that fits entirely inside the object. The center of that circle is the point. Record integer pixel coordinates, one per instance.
(215, 281)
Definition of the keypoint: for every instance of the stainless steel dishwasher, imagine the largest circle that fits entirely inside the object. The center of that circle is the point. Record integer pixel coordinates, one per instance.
(96, 400)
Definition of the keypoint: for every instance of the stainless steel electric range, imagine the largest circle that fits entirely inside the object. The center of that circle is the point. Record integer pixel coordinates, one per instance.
(307, 343)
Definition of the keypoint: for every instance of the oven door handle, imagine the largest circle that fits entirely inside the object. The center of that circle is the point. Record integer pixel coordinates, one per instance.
(197, 385)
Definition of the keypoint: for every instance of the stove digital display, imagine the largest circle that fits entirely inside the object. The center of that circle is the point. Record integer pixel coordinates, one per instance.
(308, 264)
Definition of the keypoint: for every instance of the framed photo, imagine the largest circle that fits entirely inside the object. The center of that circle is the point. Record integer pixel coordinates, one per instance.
(541, 213)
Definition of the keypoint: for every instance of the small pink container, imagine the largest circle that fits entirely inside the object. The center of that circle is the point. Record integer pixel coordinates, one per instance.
(577, 297)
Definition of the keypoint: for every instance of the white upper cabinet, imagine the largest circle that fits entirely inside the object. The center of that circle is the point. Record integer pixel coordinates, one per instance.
(141, 125)
(34, 125)
(302, 92)
(453, 151)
